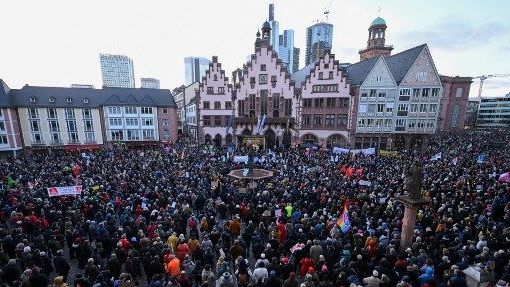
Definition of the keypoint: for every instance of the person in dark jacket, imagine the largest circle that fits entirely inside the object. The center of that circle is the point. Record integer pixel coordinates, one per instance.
(11, 272)
(61, 265)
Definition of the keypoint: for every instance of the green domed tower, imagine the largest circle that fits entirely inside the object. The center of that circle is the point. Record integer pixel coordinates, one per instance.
(376, 40)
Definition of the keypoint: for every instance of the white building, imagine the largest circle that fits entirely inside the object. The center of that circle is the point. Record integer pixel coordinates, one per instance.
(149, 83)
(191, 119)
(182, 100)
(117, 71)
(494, 112)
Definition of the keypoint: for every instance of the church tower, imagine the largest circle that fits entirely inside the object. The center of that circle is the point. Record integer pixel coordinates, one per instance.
(376, 38)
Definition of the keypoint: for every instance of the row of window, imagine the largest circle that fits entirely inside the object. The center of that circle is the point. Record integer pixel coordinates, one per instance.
(221, 90)
(388, 108)
(134, 122)
(52, 100)
(33, 113)
(217, 105)
(134, 110)
(325, 88)
(372, 94)
(410, 123)
(55, 138)
(214, 121)
(130, 135)
(263, 79)
(424, 93)
(248, 109)
(328, 120)
(326, 102)
(54, 126)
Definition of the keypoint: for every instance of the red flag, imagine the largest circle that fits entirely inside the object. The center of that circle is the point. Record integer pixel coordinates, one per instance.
(349, 172)
(76, 170)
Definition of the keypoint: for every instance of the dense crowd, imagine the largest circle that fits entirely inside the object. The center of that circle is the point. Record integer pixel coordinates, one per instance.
(170, 216)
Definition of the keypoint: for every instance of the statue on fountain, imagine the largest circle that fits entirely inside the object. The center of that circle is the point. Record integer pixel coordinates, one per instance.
(251, 154)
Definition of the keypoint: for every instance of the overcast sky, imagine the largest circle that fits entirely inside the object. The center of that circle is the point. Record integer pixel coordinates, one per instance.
(57, 42)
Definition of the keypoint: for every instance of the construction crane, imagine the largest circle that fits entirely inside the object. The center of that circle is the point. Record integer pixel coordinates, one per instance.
(482, 78)
(326, 11)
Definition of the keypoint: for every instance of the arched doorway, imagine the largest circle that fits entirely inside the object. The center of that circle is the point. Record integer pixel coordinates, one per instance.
(310, 139)
(286, 138)
(270, 138)
(336, 140)
(207, 139)
(217, 140)
(246, 132)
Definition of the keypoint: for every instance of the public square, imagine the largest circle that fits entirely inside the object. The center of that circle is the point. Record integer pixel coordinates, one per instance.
(250, 143)
(170, 215)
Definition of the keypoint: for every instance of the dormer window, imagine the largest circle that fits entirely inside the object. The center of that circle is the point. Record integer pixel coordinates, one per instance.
(85, 100)
(32, 99)
(51, 99)
(69, 100)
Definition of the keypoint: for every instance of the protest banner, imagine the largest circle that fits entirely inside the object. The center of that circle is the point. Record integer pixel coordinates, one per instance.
(388, 153)
(64, 190)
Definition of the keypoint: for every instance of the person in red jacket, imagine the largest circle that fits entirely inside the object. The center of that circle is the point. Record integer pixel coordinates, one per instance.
(305, 265)
(182, 250)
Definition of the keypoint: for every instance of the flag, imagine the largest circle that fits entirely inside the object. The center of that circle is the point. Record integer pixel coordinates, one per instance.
(481, 158)
(10, 182)
(349, 172)
(343, 222)
(455, 160)
(229, 122)
(261, 124)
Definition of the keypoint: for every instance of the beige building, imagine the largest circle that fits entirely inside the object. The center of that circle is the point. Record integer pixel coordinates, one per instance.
(59, 116)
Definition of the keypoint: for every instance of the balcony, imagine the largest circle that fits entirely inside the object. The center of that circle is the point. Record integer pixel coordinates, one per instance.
(387, 129)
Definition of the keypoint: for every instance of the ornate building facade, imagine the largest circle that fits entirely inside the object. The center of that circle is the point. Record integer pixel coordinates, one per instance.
(214, 106)
(324, 103)
(265, 89)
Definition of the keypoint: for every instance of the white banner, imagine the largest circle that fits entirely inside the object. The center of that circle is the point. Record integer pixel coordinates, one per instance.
(239, 158)
(64, 190)
(339, 150)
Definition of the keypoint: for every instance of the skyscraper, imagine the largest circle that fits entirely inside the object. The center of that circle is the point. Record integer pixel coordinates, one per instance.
(275, 30)
(117, 71)
(295, 64)
(194, 69)
(286, 51)
(320, 32)
(149, 83)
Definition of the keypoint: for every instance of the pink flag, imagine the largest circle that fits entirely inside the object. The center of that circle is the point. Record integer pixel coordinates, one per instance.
(504, 177)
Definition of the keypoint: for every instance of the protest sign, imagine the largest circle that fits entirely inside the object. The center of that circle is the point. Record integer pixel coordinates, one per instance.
(64, 190)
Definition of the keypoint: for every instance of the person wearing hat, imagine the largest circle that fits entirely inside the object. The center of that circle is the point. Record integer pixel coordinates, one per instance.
(372, 281)
(59, 282)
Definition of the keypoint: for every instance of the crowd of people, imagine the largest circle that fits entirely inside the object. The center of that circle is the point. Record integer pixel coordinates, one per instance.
(170, 216)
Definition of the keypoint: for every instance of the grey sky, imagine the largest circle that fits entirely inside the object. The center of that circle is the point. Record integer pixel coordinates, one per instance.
(57, 42)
